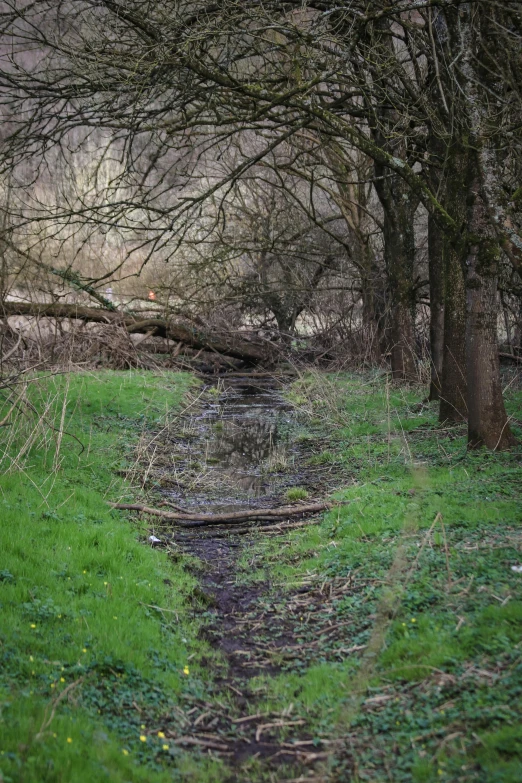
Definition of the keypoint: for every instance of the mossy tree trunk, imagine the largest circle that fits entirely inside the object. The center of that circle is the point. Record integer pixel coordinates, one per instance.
(373, 309)
(436, 241)
(453, 396)
(488, 424)
(476, 92)
(399, 207)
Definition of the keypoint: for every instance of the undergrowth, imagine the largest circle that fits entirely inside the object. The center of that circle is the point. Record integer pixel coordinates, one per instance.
(89, 655)
(428, 681)
(401, 609)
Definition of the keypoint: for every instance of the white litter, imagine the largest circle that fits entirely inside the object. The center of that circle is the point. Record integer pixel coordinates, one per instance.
(517, 569)
(154, 540)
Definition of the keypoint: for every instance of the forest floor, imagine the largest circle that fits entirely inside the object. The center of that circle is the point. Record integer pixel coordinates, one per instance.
(380, 641)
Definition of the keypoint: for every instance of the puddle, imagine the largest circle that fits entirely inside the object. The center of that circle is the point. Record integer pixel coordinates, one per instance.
(232, 448)
(245, 435)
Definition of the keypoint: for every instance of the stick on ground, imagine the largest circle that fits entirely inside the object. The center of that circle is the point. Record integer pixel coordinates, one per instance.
(197, 520)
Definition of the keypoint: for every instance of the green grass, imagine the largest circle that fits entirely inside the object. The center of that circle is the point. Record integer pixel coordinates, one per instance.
(296, 493)
(429, 533)
(86, 660)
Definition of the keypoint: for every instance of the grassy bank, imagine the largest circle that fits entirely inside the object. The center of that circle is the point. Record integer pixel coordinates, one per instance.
(87, 657)
(391, 629)
(421, 674)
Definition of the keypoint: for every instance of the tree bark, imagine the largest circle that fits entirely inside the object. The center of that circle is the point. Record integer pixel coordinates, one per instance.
(453, 396)
(399, 254)
(488, 424)
(399, 205)
(373, 304)
(436, 275)
(480, 98)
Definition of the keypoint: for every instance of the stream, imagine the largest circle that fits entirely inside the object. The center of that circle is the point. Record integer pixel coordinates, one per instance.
(239, 451)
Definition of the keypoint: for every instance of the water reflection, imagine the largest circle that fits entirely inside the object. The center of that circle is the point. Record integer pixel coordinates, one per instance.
(244, 434)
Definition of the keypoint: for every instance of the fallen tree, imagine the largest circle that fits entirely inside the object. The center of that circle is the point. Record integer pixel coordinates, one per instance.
(235, 517)
(229, 345)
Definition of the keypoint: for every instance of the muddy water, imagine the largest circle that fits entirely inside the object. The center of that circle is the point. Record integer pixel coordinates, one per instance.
(236, 453)
(241, 450)
(244, 433)
(235, 447)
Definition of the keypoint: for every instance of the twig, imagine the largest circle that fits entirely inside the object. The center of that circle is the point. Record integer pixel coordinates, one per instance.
(202, 743)
(160, 609)
(48, 720)
(446, 551)
(195, 520)
(250, 717)
(279, 724)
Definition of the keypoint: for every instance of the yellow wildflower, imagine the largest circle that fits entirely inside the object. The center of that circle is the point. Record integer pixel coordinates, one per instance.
(143, 738)
(161, 735)
(186, 670)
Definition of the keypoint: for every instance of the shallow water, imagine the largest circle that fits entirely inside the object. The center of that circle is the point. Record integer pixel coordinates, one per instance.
(238, 438)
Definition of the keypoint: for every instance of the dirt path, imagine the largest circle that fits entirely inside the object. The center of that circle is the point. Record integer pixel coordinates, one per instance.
(240, 451)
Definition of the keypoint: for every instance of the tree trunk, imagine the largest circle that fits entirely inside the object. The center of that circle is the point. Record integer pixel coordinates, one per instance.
(453, 396)
(436, 275)
(517, 336)
(488, 423)
(399, 254)
(229, 344)
(372, 305)
(479, 95)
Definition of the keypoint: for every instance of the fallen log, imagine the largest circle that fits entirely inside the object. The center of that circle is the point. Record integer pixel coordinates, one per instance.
(235, 517)
(190, 335)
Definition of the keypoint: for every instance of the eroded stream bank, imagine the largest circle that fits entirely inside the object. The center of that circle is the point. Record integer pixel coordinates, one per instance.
(242, 449)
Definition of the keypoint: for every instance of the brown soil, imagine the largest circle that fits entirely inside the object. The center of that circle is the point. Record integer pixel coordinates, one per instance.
(242, 619)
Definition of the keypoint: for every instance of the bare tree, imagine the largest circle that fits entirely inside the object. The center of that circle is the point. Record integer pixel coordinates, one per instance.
(169, 84)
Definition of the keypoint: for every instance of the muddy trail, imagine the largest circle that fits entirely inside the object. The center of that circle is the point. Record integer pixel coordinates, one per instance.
(241, 450)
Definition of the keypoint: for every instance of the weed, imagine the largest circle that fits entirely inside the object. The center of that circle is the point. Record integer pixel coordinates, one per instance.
(324, 458)
(278, 461)
(296, 493)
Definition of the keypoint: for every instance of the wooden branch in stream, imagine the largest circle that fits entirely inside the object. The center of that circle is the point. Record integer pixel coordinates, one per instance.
(197, 520)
